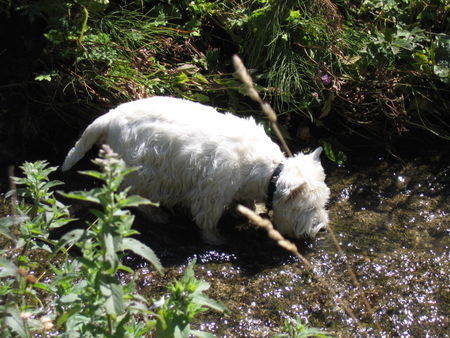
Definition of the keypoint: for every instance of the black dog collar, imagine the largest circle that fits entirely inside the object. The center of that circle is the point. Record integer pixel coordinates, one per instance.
(273, 185)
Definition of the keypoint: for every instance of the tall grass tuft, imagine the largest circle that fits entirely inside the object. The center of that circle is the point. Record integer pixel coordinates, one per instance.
(290, 42)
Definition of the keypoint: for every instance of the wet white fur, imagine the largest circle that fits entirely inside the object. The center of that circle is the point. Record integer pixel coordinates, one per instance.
(191, 155)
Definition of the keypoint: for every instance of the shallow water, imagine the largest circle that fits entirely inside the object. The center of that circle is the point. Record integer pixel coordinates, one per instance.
(391, 219)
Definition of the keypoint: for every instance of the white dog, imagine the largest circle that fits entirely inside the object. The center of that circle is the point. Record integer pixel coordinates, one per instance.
(191, 155)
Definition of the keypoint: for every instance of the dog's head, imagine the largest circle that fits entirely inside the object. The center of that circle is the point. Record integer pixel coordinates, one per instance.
(301, 195)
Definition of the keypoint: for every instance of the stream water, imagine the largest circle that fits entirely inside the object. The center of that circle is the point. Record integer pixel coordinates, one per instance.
(391, 219)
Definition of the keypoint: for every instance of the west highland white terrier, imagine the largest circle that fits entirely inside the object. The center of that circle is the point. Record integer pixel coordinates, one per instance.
(192, 156)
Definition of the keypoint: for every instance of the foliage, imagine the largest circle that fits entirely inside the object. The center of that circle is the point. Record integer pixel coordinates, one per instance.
(43, 214)
(98, 304)
(120, 55)
(296, 329)
(186, 300)
(315, 62)
(83, 295)
(373, 69)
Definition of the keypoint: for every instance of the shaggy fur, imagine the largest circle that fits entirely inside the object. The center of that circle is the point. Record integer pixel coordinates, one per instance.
(191, 155)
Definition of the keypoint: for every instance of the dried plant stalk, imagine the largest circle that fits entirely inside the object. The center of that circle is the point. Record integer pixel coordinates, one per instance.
(243, 75)
(292, 248)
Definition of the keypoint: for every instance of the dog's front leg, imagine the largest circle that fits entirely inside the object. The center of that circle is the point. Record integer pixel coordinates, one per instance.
(206, 215)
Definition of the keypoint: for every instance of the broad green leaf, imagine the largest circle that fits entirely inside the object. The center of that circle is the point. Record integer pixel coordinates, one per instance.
(110, 246)
(15, 323)
(43, 77)
(181, 78)
(113, 292)
(204, 300)
(422, 58)
(202, 334)
(12, 220)
(70, 298)
(69, 238)
(125, 268)
(182, 334)
(81, 195)
(61, 222)
(189, 271)
(7, 268)
(5, 232)
(92, 173)
(45, 287)
(87, 262)
(52, 184)
(135, 201)
(142, 250)
(294, 15)
(66, 315)
(6, 222)
(120, 328)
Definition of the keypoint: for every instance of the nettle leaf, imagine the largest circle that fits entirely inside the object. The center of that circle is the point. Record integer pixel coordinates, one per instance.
(60, 222)
(202, 286)
(120, 328)
(7, 268)
(204, 300)
(112, 290)
(333, 154)
(70, 298)
(15, 323)
(66, 315)
(125, 268)
(81, 196)
(111, 248)
(12, 220)
(142, 250)
(135, 201)
(8, 221)
(92, 173)
(69, 238)
(51, 184)
(45, 287)
(202, 334)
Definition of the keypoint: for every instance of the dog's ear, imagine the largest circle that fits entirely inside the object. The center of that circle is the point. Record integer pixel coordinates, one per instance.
(316, 154)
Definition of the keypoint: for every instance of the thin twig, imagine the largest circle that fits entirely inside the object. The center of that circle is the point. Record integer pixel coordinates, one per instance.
(292, 248)
(243, 75)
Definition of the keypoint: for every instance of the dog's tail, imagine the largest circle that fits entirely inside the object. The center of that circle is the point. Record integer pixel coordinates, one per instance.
(93, 133)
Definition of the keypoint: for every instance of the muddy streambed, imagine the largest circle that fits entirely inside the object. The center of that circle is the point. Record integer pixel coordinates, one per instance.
(392, 221)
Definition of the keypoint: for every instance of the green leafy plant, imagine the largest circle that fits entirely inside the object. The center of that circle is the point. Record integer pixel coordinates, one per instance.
(296, 329)
(83, 295)
(97, 303)
(185, 300)
(38, 210)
